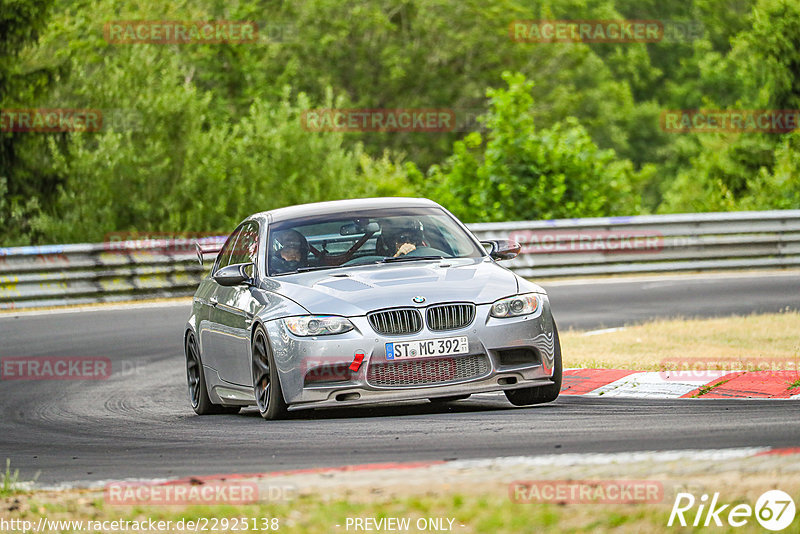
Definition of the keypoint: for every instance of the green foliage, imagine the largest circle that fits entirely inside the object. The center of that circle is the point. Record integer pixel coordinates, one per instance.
(184, 173)
(24, 178)
(198, 136)
(749, 170)
(255, 165)
(524, 173)
(779, 188)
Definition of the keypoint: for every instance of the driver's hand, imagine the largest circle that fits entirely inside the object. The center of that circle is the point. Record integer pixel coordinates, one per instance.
(405, 248)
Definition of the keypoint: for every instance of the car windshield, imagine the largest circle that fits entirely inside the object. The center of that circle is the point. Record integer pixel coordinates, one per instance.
(366, 236)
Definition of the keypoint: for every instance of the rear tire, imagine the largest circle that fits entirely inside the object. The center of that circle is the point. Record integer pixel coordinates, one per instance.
(196, 378)
(266, 384)
(541, 394)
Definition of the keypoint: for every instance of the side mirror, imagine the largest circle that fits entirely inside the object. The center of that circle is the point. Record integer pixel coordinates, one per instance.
(502, 249)
(234, 275)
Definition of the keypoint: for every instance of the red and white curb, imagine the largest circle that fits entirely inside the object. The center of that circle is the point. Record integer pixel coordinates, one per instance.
(682, 384)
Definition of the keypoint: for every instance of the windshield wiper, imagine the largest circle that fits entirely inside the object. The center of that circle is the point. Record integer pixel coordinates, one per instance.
(385, 260)
(317, 268)
(410, 258)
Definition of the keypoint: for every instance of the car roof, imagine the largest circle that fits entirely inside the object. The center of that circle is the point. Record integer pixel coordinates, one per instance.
(343, 206)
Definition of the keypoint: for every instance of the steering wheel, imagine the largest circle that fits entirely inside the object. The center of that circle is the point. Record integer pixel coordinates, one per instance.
(325, 258)
(426, 251)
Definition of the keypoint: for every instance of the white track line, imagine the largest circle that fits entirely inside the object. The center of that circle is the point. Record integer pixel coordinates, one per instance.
(611, 458)
(603, 331)
(98, 308)
(677, 277)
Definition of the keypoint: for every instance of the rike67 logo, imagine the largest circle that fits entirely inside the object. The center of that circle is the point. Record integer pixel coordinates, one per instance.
(774, 511)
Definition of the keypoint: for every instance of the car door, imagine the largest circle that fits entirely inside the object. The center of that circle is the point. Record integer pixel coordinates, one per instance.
(212, 341)
(232, 313)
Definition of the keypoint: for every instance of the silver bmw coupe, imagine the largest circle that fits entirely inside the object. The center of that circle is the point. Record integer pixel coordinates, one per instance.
(365, 301)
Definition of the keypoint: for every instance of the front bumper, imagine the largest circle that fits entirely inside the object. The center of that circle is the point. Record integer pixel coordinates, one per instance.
(489, 368)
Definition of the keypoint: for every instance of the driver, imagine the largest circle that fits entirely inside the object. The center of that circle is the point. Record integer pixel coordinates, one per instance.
(405, 238)
(289, 252)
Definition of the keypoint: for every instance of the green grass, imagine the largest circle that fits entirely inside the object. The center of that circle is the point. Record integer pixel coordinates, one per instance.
(705, 389)
(795, 384)
(488, 512)
(10, 484)
(657, 345)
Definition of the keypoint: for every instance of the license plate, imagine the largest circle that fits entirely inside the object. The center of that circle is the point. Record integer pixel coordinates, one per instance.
(425, 348)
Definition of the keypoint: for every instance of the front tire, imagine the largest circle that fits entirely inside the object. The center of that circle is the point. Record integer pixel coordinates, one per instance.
(196, 378)
(541, 394)
(266, 384)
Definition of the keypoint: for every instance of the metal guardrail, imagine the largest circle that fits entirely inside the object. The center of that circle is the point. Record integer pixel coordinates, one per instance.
(652, 243)
(56, 275)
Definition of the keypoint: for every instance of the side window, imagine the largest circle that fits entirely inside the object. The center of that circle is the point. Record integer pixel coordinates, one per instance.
(246, 248)
(224, 258)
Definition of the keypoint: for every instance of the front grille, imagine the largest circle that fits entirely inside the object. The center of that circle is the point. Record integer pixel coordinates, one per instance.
(427, 371)
(397, 321)
(450, 316)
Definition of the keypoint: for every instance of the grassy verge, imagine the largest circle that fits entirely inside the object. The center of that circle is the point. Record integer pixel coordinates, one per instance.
(646, 346)
(469, 513)
(10, 482)
(458, 498)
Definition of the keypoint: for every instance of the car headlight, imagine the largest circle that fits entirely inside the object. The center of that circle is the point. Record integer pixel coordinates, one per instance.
(515, 306)
(318, 325)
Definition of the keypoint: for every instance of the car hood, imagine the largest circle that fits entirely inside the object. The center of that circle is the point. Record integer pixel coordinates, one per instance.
(358, 290)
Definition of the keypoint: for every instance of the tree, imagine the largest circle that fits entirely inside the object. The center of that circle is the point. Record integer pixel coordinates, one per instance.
(736, 170)
(521, 173)
(24, 176)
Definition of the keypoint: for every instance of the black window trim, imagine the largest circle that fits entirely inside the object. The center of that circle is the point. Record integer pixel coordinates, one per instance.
(235, 233)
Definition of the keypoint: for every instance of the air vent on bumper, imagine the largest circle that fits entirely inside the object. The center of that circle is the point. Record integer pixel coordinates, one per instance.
(405, 373)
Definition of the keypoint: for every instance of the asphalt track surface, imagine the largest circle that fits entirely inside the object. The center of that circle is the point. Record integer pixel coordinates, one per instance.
(138, 423)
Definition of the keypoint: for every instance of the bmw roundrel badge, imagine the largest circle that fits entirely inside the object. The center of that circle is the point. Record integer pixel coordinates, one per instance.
(419, 300)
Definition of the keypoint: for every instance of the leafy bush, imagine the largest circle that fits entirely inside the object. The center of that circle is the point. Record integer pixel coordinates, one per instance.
(521, 173)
